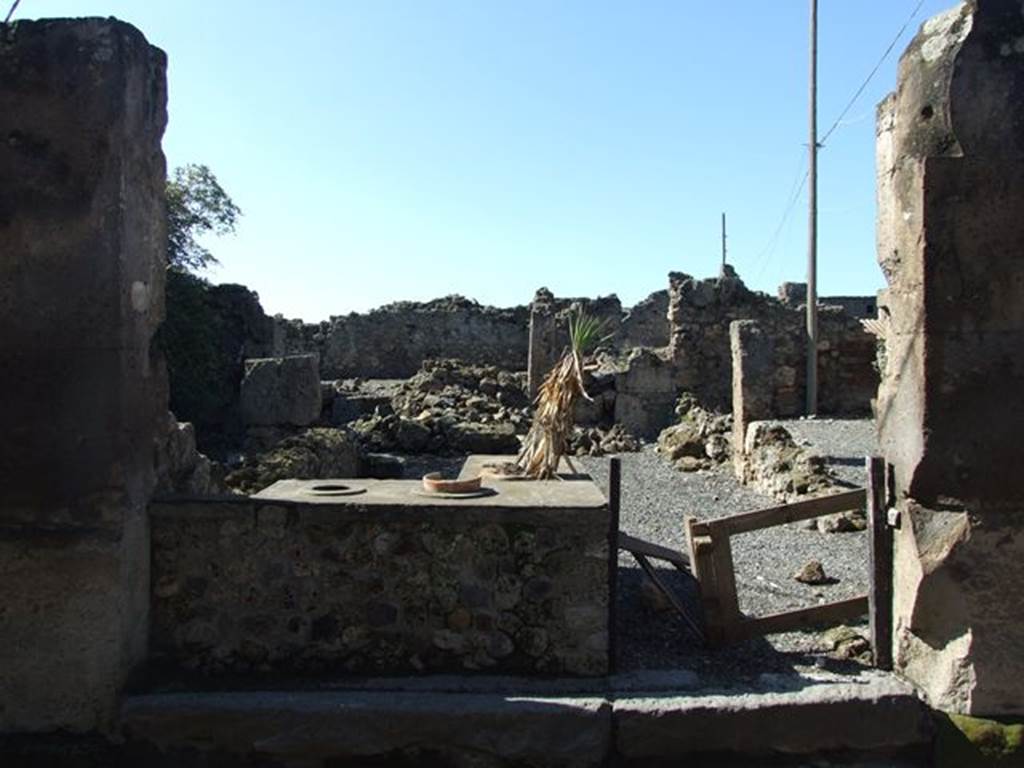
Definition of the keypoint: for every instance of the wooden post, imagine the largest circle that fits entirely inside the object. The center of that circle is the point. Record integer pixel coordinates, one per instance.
(704, 570)
(711, 560)
(880, 547)
(725, 579)
(614, 508)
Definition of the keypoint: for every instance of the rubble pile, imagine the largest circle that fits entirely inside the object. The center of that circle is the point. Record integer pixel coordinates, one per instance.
(318, 452)
(597, 441)
(450, 407)
(776, 465)
(701, 439)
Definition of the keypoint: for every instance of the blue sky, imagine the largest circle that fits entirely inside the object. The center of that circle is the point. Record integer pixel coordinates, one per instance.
(405, 149)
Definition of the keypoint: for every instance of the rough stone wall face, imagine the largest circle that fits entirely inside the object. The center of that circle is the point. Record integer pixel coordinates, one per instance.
(270, 588)
(646, 324)
(281, 391)
(549, 329)
(861, 307)
(393, 341)
(646, 393)
(753, 373)
(543, 338)
(700, 314)
(950, 239)
(83, 395)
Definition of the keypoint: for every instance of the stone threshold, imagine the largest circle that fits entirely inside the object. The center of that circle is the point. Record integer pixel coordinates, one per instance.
(642, 717)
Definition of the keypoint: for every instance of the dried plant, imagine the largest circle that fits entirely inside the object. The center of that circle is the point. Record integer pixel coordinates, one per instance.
(548, 439)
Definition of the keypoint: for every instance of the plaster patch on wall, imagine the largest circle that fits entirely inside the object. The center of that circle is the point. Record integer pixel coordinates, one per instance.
(941, 35)
(140, 296)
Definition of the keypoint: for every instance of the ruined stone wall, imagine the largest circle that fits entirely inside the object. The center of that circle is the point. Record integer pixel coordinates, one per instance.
(645, 324)
(270, 587)
(83, 392)
(549, 329)
(861, 307)
(701, 311)
(394, 340)
(950, 241)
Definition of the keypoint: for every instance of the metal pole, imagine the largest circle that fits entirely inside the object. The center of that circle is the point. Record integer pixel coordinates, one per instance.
(723, 242)
(812, 246)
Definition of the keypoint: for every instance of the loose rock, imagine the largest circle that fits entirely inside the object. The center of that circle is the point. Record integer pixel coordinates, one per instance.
(813, 573)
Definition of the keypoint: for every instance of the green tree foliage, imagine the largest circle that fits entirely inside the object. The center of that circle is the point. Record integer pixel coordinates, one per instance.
(196, 205)
(199, 338)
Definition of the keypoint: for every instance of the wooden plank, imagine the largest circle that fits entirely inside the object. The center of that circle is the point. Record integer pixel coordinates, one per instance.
(674, 601)
(881, 559)
(787, 513)
(614, 510)
(704, 571)
(830, 613)
(634, 545)
(698, 528)
(725, 580)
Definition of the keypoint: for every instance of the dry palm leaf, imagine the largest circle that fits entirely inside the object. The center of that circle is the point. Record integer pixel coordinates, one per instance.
(548, 439)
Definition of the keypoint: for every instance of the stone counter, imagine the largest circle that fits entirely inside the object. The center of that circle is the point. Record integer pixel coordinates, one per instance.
(383, 582)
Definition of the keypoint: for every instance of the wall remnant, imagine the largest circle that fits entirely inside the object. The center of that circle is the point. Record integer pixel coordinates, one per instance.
(950, 237)
(386, 582)
(394, 340)
(646, 390)
(753, 390)
(84, 394)
(862, 307)
(700, 313)
(646, 323)
(180, 467)
(549, 329)
(281, 391)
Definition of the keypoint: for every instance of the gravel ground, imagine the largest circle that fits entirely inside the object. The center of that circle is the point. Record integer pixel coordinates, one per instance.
(655, 501)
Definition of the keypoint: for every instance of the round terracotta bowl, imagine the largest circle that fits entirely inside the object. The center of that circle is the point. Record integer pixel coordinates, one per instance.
(434, 483)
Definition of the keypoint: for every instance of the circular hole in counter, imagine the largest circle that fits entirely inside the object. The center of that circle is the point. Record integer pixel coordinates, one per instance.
(334, 489)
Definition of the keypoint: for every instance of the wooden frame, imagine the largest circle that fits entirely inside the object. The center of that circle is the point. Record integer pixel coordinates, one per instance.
(712, 563)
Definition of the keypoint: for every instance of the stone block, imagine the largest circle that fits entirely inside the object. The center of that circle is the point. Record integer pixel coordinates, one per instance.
(83, 396)
(281, 391)
(356, 726)
(753, 380)
(950, 415)
(872, 714)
